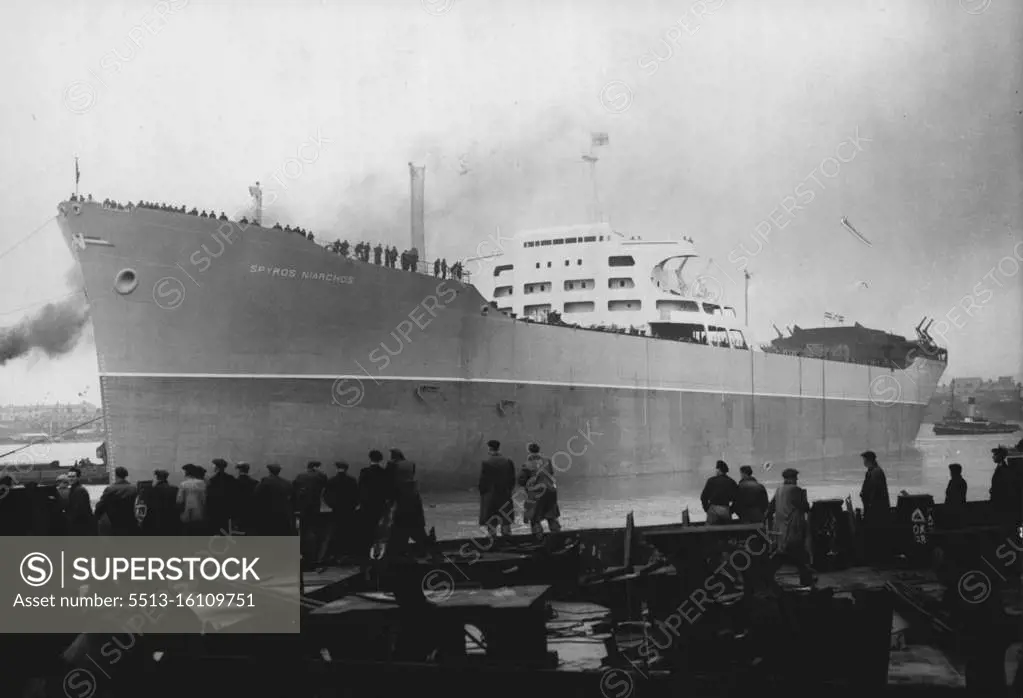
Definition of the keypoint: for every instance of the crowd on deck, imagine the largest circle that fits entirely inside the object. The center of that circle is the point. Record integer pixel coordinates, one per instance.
(787, 511)
(362, 251)
(337, 517)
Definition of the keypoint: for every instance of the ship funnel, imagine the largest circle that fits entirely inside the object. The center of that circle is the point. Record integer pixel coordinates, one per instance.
(417, 187)
(780, 335)
(971, 407)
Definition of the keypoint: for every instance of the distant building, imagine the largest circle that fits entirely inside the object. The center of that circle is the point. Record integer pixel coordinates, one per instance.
(965, 386)
(52, 419)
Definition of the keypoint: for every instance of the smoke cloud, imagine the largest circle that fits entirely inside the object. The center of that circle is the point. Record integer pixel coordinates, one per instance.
(532, 177)
(55, 329)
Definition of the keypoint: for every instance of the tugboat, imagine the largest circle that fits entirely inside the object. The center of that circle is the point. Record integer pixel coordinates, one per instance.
(955, 424)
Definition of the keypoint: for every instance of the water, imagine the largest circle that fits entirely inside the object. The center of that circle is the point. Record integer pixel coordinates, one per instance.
(660, 499)
(67, 452)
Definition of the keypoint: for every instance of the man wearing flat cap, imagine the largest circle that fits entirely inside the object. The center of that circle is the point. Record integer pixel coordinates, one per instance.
(496, 485)
(220, 495)
(161, 507)
(275, 504)
(789, 510)
(341, 494)
(877, 508)
(1006, 488)
(309, 499)
(245, 491)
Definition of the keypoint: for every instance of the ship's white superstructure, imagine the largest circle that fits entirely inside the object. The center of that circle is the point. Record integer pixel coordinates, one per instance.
(593, 276)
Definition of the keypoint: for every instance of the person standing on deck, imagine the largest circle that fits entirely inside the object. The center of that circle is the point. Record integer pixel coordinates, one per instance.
(116, 506)
(274, 504)
(955, 497)
(496, 485)
(877, 508)
(78, 510)
(341, 494)
(309, 497)
(788, 511)
(406, 517)
(191, 500)
(718, 496)
(373, 494)
(220, 496)
(750, 497)
(537, 478)
(161, 507)
(955, 491)
(245, 492)
(1006, 489)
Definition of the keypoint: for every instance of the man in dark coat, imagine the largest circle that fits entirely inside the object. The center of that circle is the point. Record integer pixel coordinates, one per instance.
(78, 510)
(407, 517)
(374, 492)
(245, 492)
(1006, 488)
(877, 508)
(117, 506)
(220, 495)
(309, 496)
(541, 488)
(955, 491)
(162, 517)
(718, 496)
(274, 504)
(496, 485)
(342, 496)
(750, 498)
(955, 497)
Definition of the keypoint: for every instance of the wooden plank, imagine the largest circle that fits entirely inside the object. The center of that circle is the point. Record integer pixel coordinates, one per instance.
(697, 530)
(506, 598)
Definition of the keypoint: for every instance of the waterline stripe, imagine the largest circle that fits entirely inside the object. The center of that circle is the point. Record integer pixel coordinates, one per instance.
(503, 381)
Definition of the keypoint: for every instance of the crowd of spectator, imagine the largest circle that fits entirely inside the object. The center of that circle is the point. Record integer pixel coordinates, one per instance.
(362, 251)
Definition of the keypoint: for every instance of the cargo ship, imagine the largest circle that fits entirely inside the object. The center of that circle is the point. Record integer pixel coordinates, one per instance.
(220, 338)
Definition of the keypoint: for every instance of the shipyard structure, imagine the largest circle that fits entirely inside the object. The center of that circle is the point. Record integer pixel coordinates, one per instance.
(229, 339)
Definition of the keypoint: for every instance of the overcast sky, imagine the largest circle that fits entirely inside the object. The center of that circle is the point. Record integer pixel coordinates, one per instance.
(903, 116)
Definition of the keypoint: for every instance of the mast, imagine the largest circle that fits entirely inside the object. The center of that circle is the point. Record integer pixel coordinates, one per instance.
(257, 198)
(592, 159)
(597, 140)
(745, 301)
(417, 195)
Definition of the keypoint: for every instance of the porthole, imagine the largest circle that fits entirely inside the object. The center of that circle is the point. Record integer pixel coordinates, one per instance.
(126, 282)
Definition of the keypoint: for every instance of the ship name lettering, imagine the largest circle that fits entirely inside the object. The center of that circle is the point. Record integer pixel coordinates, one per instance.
(328, 277)
(282, 272)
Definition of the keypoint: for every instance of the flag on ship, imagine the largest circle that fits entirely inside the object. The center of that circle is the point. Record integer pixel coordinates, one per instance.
(78, 175)
(834, 316)
(599, 139)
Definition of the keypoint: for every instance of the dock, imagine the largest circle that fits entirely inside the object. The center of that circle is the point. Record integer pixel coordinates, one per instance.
(680, 609)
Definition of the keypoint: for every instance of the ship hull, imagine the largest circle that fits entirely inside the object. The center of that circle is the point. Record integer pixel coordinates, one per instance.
(259, 346)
